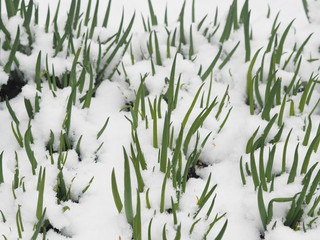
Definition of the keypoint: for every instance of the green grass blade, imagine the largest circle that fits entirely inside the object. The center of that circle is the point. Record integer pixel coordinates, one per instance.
(38, 226)
(191, 48)
(181, 21)
(243, 179)
(262, 208)
(174, 211)
(254, 170)
(308, 154)
(11, 9)
(17, 135)
(225, 120)
(250, 82)
(222, 231)
(103, 128)
(77, 15)
(177, 154)
(298, 54)
(307, 134)
(186, 117)
(153, 17)
(12, 113)
(87, 17)
(201, 22)
(38, 72)
(115, 192)
(158, 55)
(305, 93)
(228, 57)
(211, 66)
(288, 90)
(247, 35)
(178, 233)
(163, 188)
(270, 206)
(122, 41)
(270, 164)
(1, 173)
(71, 12)
(41, 183)
(260, 141)
(13, 51)
(137, 233)
(270, 100)
(229, 23)
(250, 142)
(281, 43)
(261, 170)
(30, 153)
(196, 124)
(306, 8)
(272, 37)
(106, 16)
(127, 189)
(293, 171)
(281, 112)
(28, 15)
(94, 21)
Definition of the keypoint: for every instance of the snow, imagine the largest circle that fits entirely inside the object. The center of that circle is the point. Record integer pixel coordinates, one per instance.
(93, 214)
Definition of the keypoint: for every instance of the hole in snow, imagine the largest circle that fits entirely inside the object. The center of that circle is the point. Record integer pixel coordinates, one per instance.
(13, 86)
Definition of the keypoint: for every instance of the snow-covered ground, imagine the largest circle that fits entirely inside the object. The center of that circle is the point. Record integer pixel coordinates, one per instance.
(77, 192)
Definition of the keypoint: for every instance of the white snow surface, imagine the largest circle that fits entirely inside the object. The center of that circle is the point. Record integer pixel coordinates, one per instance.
(93, 215)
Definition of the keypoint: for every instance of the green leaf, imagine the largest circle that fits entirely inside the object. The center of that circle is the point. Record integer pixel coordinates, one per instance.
(313, 188)
(94, 21)
(260, 141)
(262, 208)
(225, 120)
(281, 43)
(211, 66)
(270, 100)
(308, 155)
(181, 21)
(41, 184)
(247, 35)
(250, 82)
(222, 231)
(228, 57)
(307, 134)
(106, 17)
(297, 56)
(293, 171)
(127, 189)
(38, 72)
(103, 128)
(254, 170)
(163, 188)
(186, 117)
(261, 170)
(250, 142)
(28, 15)
(1, 171)
(153, 17)
(197, 123)
(243, 179)
(158, 55)
(30, 153)
(137, 220)
(87, 17)
(38, 226)
(270, 164)
(13, 51)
